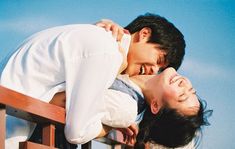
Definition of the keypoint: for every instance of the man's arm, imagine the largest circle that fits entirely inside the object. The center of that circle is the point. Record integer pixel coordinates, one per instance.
(59, 99)
(105, 130)
(88, 74)
(129, 134)
(117, 30)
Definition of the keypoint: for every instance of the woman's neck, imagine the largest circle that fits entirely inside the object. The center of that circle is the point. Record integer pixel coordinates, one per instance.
(141, 80)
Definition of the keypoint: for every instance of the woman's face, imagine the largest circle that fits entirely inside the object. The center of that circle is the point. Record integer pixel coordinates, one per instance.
(169, 88)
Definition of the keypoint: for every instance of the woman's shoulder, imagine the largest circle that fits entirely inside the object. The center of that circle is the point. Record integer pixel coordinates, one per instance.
(125, 78)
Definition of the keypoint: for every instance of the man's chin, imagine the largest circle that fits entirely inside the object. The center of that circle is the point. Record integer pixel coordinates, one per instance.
(130, 72)
(124, 72)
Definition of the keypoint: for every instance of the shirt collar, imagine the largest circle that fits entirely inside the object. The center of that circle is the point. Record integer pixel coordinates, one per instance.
(125, 78)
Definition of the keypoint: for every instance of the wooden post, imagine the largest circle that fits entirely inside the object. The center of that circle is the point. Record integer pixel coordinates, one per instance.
(48, 135)
(116, 146)
(86, 145)
(2, 126)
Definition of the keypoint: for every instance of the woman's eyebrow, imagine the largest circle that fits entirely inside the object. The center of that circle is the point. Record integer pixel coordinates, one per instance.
(180, 96)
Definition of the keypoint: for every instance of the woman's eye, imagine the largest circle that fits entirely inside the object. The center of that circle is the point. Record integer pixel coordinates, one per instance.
(182, 97)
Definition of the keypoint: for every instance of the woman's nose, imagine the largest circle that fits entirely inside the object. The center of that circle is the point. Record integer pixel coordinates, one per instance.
(186, 86)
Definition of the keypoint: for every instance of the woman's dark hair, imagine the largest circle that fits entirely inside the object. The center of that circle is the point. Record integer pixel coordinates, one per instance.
(170, 128)
(165, 34)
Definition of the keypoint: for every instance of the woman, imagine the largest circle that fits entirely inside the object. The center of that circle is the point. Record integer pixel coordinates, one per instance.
(172, 113)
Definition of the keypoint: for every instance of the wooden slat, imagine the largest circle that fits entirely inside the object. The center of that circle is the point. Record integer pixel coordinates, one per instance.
(22, 106)
(2, 126)
(31, 145)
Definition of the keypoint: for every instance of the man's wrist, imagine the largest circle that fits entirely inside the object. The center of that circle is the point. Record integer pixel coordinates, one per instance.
(105, 130)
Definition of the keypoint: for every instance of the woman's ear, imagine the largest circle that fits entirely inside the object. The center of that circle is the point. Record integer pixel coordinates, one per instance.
(154, 107)
(145, 34)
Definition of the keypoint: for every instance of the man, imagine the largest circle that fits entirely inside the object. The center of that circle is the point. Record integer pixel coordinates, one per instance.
(83, 60)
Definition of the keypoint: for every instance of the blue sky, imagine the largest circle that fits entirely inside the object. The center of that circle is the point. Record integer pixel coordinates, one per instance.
(208, 27)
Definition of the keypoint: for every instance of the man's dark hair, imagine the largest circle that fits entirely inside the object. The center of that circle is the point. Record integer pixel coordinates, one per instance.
(170, 128)
(164, 33)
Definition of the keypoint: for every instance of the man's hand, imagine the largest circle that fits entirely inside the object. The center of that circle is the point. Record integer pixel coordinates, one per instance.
(129, 134)
(117, 32)
(59, 99)
(109, 25)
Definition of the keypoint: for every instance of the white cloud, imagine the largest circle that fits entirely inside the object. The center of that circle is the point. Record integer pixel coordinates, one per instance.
(206, 70)
(26, 25)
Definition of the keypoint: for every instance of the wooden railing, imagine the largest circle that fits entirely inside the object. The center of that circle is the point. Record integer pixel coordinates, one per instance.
(51, 117)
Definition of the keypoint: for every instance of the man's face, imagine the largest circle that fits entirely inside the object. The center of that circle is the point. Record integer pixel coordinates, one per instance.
(143, 57)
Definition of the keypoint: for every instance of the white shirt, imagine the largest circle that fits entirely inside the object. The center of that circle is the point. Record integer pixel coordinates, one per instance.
(122, 109)
(81, 59)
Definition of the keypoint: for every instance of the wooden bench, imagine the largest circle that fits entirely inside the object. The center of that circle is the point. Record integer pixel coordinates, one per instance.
(51, 117)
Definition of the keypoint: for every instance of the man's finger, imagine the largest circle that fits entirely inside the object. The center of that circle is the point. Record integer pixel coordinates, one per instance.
(134, 128)
(129, 132)
(124, 137)
(114, 30)
(108, 27)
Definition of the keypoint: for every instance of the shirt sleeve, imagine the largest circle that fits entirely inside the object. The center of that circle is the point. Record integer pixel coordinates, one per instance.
(121, 109)
(90, 68)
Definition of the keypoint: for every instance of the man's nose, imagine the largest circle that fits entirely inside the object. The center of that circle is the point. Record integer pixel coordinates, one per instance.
(152, 70)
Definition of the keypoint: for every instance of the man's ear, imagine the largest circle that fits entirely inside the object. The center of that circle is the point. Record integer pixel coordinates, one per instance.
(145, 34)
(154, 107)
